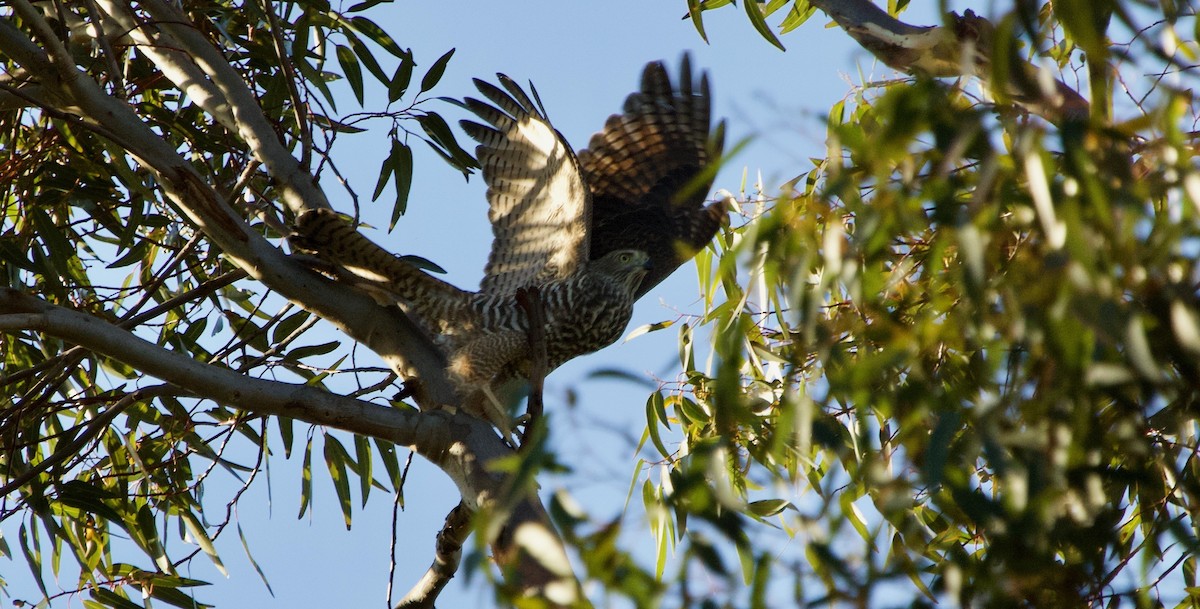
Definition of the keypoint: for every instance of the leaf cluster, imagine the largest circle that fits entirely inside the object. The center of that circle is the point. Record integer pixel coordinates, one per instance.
(969, 342)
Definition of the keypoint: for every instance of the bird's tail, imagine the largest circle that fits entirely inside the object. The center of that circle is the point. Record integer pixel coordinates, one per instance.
(324, 233)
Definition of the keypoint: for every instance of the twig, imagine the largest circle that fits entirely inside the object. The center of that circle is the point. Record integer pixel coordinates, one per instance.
(94, 428)
(447, 554)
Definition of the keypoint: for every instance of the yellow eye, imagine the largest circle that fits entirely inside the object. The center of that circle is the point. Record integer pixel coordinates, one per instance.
(626, 257)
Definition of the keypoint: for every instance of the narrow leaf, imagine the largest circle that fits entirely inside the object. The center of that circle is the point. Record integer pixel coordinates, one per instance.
(401, 79)
(402, 166)
(253, 563)
(434, 74)
(362, 450)
(196, 530)
(760, 23)
(352, 71)
(335, 461)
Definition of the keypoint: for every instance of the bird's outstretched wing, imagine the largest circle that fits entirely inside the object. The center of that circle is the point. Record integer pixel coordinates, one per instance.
(539, 206)
(648, 172)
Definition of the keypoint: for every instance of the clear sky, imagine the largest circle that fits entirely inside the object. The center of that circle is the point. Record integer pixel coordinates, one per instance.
(584, 58)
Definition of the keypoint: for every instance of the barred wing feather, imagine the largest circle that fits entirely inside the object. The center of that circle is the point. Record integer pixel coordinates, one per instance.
(539, 206)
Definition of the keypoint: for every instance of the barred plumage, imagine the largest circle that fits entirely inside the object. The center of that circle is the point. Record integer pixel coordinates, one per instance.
(650, 171)
(584, 231)
(583, 312)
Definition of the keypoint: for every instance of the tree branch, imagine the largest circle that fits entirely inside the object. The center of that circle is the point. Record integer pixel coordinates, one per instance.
(447, 554)
(385, 330)
(963, 47)
(431, 435)
(297, 185)
(527, 546)
(166, 53)
(461, 445)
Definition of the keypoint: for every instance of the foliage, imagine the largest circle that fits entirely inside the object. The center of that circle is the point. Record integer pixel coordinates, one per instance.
(958, 358)
(92, 454)
(971, 338)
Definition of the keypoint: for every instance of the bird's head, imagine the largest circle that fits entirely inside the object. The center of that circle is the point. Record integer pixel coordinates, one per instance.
(626, 266)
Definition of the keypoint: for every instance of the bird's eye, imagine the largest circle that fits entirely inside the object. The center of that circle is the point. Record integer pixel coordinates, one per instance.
(626, 257)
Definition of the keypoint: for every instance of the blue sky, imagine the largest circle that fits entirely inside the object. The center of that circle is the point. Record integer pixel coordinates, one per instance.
(584, 58)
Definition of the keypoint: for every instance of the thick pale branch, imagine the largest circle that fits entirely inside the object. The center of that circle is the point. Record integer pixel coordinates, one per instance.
(963, 47)
(296, 184)
(460, 445)
(165, 52)
(385, 330)
(432, 435)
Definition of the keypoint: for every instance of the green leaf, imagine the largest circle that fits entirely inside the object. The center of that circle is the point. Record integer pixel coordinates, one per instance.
(314, 77)
(769, 507)
(801, 11)
(381, 38)
(655, 414)
(285, 425)
(708, 555)
(253, 563)
(108, 598)
(1086, 22)
(368, 59)
(760, 23)
(351, 70)
(33, 555)
(439, 132)
(648, 328)
(362, 451)
(423, 264)
(695, 11)
(434, 73)
(362, 6)
(385, 172)
(89, 498)
(391, 463)
(401, 79)
(402, 167)
(196, 530)
(59, 249)
(289, 325)
(306, 479)
(144, 530)
(336, 458)
(300, 353)
(173, 596)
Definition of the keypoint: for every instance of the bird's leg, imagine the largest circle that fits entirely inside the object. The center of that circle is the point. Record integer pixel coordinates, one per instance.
(498, 415)
(530, 299)
(475, 367)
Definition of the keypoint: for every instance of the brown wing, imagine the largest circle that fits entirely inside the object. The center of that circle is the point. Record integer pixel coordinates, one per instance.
(644, 170)
(539, 204)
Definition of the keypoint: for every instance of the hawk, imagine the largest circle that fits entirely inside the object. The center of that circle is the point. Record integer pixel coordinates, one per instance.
(588, 233)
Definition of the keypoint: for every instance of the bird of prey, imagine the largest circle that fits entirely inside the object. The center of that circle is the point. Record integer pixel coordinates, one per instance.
(587, 234)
